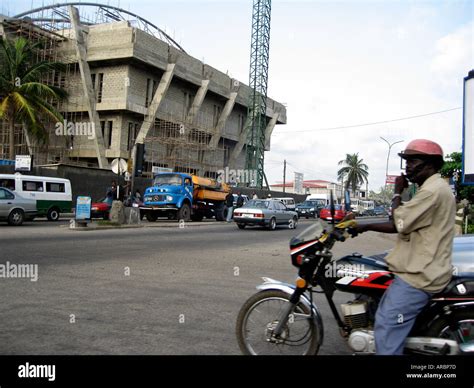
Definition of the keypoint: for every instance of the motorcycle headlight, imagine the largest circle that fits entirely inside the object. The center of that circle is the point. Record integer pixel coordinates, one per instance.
(169, 198)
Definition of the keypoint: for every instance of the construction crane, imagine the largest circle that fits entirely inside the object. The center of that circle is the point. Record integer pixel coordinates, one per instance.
(253, 134)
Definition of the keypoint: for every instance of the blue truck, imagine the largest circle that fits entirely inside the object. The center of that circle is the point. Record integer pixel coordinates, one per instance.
(184, 197)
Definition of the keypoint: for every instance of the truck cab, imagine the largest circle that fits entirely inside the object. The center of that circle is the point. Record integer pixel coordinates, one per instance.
(183, 196)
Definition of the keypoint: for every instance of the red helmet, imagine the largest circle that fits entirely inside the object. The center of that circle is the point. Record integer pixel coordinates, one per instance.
(422, 147)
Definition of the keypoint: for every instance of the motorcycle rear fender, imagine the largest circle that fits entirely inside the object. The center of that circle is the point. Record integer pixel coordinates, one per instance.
(271, 284)
(438, 309)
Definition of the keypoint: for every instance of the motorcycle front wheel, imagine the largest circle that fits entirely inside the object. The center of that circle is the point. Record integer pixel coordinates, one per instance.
(258, 318)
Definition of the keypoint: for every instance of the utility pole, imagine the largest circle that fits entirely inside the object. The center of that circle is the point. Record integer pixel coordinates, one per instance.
(388, 155)
(284, 176)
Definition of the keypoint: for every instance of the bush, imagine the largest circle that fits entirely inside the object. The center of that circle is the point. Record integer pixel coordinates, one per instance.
(470, 229)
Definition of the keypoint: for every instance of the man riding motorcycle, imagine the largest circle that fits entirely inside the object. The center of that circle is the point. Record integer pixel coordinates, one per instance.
(421, 259)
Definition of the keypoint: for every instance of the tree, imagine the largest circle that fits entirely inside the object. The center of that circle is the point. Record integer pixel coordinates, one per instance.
(384, 196)
(453, 166)
(24, 98)
(355, 171)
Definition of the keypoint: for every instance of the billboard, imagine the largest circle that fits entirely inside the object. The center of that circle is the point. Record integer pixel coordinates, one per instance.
(298, 183)
(468, 131)
(390, 180)
(23, 163)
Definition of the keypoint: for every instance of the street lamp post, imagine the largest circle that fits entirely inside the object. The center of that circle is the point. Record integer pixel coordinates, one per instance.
(388, 155)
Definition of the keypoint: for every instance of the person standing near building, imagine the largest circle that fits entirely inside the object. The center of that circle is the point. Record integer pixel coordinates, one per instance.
(229, 202)
(111, 194)
(240, 200)
(421, 259)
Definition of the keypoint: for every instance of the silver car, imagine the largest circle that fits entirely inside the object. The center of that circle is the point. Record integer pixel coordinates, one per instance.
(265, 212)
(15, 209)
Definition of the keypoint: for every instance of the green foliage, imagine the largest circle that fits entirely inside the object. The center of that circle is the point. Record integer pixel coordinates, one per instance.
(24, 97)
(355, 171)
(384, 196)
(453, 163)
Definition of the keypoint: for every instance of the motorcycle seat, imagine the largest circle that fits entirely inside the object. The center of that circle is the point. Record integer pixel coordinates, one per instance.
(459, 286)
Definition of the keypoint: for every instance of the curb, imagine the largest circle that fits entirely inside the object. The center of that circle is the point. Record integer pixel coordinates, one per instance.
(94, 227)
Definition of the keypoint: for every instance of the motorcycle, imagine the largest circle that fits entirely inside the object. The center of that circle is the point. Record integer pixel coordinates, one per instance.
(283, 319)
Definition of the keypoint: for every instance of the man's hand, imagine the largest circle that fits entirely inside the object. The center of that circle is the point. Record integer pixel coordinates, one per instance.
(349, 216)
(401, 183)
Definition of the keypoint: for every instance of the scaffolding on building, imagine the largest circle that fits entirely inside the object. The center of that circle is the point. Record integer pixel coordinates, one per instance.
(173, 142)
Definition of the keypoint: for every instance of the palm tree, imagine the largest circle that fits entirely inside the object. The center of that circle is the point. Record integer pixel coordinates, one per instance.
(24, 98)
(354, 170)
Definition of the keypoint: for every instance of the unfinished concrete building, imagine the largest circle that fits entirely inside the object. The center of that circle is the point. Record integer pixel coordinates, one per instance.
(127, 79)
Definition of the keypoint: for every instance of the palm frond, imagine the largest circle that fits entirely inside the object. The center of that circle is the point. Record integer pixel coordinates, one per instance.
(37, 70)
(37, 89)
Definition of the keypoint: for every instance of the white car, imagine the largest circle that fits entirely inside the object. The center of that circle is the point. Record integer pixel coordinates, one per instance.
(265, 212)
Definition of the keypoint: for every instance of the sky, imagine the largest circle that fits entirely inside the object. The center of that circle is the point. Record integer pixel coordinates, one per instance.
(335, 64)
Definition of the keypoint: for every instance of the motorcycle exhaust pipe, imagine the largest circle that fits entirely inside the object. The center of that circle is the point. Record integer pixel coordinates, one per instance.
(467, 348)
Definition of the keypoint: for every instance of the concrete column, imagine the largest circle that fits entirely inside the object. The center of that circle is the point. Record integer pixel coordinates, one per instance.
(193, 111)
(228, 107)
(269, 129)
(197, 102)
(86, 79)
(239, 146)
(149, 120)
(160, 93)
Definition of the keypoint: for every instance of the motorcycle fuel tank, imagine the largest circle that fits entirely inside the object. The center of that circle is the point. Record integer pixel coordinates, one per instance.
(360, 274)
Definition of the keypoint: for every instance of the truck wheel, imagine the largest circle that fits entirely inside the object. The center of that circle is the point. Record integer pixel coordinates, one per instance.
(151, 217)
(184, 213)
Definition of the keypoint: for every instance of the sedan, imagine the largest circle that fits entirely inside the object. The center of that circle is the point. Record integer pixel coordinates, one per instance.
(101, 209)
(339, 213)
(265, 212)
(15, 209)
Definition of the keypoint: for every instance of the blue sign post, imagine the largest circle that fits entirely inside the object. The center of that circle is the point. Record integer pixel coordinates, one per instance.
(83, 208)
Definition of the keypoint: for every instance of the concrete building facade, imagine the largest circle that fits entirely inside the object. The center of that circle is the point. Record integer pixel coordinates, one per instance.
(127, 84)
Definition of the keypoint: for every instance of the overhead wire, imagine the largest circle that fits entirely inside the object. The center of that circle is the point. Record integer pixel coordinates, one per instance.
(369, 124)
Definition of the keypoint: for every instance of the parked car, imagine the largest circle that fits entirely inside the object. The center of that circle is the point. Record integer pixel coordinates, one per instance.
(15, 209)
(101, 209)
(339, 213)
(265, 212)
(309, 209)
(288, 202)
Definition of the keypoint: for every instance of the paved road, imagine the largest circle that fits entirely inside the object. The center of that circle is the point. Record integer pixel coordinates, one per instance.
(160, 290)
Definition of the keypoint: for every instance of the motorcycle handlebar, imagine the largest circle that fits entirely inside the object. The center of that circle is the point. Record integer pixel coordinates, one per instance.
(338, 236)
(353, 232)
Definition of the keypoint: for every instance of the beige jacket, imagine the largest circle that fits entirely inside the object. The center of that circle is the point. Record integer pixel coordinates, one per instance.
(425, 225)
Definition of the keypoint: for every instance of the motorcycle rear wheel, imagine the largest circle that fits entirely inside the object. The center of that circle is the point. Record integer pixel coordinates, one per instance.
(258, 318)
(462, 333)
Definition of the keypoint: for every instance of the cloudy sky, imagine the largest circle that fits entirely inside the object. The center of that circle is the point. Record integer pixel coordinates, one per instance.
(336, 64)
